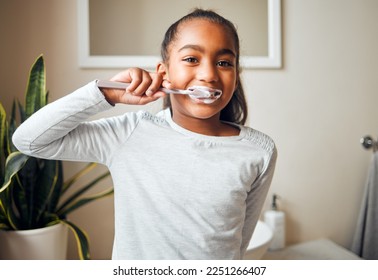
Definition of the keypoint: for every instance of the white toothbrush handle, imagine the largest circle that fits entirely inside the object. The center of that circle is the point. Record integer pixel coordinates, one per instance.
(110, 84)
(120, 85)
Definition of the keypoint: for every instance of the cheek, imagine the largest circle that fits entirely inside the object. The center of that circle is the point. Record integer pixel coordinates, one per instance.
(178, 81)
(178, 77)
(179, 100)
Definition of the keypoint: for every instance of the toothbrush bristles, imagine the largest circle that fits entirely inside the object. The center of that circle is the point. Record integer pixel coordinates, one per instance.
(203, 93)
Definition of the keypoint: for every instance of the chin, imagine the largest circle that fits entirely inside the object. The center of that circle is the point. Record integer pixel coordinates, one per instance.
(204, 112)
(199, 110)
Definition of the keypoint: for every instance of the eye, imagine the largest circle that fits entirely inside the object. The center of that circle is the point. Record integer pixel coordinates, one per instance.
(225, 63)
(190, 59)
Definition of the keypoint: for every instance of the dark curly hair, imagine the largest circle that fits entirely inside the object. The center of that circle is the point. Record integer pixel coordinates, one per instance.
(236, 110)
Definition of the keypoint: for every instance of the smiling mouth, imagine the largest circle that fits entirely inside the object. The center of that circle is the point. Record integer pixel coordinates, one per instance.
(206, 95)
(204, 100)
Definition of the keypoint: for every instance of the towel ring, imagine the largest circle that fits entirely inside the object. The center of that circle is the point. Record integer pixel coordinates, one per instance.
(369, 143)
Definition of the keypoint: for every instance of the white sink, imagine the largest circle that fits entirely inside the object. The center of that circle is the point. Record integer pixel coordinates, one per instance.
(259, 244)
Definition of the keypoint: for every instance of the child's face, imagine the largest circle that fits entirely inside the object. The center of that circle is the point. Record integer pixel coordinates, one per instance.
(202, 55)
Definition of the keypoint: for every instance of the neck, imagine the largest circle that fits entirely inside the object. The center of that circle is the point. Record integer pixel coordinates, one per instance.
(210, 126)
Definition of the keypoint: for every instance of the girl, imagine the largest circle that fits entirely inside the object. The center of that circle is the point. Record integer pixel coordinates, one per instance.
(190, 181)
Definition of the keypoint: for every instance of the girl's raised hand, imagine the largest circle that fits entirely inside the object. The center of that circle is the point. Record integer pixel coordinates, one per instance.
(144, 87)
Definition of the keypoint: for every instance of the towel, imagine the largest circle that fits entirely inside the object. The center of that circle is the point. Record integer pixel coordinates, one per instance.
(365, 242)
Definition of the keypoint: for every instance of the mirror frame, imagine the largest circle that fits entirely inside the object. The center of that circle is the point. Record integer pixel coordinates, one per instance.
(273, 60)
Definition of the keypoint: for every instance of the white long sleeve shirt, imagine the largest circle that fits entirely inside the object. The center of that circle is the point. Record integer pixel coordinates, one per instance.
(178, 194)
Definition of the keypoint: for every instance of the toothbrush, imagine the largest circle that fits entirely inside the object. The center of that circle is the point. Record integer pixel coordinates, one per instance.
(194, 91)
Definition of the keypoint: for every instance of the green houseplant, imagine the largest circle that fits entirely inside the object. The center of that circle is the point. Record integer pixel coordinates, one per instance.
(33, 193)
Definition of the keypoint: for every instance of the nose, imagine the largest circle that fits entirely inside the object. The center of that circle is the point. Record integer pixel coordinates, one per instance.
(208, 72)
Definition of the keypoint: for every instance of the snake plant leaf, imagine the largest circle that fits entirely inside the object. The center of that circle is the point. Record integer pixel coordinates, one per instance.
(56, 193)
(14, 219)
(81, 240)
(36, 88)
(11, 129)
(83, 201)
(14, 163)
(46, 186)
(82, 190)
(51, 219)
(35, 186)
(68, 183)
(23, 190)
(3, 133)
(8, 216)
(21, 111)
(3, 120)
(4, 224)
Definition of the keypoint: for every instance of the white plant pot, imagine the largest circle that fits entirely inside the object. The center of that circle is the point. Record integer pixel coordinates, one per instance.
(49, 243)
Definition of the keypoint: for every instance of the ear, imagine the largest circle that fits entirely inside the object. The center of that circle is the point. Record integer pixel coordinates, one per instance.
(162, 69)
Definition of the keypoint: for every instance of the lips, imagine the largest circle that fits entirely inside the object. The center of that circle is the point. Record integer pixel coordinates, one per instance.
(204, 100)
(204, 95)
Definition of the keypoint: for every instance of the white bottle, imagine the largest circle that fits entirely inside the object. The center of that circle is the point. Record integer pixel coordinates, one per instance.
(276, 221)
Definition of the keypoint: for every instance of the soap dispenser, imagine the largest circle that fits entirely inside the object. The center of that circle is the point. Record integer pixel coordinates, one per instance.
(275, 219)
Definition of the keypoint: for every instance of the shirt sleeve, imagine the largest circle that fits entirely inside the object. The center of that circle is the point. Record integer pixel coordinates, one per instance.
(256, 198)
(60, 130)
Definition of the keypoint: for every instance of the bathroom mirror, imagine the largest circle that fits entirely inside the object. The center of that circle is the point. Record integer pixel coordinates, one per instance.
(126, 33)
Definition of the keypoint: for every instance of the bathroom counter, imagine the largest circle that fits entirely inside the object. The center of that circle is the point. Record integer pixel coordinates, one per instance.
(320, 249)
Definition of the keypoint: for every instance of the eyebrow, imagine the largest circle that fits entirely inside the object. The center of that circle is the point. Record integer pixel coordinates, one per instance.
(201, 49)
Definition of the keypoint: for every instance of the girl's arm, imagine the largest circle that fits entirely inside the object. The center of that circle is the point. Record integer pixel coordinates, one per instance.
(255, 200)
(60, 129)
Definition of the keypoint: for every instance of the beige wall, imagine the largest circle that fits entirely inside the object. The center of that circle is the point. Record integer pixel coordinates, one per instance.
(316, 107)
(250, 17)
